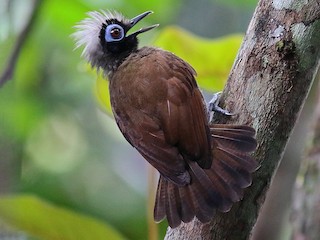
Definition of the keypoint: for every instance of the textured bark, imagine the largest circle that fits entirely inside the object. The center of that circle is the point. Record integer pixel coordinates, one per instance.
(267, 87)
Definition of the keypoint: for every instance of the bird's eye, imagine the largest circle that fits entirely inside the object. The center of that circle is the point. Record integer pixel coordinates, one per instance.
(114, 32)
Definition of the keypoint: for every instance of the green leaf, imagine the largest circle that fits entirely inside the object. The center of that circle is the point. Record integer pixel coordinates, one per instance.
(41, 219)
(211, 58)
(102, 95)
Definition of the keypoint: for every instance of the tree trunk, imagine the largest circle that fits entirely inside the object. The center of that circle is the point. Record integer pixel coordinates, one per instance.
(267, 87)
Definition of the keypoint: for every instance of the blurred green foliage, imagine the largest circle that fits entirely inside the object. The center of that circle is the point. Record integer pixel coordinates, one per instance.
(56, 144)
(46, 221)
(211, 58)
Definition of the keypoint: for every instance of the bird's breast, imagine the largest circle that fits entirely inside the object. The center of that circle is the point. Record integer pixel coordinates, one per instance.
(138, 84)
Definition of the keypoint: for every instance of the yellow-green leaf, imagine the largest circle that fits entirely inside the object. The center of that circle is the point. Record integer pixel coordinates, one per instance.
(46, 221)
(211, 58)
(101, 91)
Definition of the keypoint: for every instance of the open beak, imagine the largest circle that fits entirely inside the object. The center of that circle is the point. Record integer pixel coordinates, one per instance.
(137, 19)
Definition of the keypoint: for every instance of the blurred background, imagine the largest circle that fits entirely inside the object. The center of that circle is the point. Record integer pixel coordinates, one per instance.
(58, 144)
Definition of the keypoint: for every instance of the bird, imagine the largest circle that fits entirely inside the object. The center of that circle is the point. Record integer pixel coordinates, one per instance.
(160, 110)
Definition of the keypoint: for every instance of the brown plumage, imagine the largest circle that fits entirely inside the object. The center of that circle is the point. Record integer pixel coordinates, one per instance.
(161, 112)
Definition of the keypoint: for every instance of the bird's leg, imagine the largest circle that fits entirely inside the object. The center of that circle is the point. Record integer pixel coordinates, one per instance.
(213, 107)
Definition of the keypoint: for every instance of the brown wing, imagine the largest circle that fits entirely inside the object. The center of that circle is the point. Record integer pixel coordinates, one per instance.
(183, 115)
(184, 121)
(165, 117)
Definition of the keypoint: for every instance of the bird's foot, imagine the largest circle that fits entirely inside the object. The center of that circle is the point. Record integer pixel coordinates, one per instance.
(213, 107)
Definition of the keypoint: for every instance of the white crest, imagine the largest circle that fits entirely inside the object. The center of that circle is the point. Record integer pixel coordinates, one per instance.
(88, 31)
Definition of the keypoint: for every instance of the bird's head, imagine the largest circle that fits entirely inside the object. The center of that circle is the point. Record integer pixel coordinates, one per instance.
(106, 38)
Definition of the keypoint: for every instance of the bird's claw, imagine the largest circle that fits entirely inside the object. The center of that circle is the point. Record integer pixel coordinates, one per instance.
(214, 107)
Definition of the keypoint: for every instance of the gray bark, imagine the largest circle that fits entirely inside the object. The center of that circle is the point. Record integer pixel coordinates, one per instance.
(267, 87)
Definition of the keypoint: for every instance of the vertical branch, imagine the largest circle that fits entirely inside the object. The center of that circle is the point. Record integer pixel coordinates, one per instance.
(23, 36)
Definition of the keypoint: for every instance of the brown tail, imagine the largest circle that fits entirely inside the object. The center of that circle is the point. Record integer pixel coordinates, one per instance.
(211, 189)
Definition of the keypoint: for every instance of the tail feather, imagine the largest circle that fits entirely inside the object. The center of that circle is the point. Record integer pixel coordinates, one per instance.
(242, 129)
(229, 194)
(231, 175)
(241, 180)
(216, 188)
(161, 197)
(201, 178)
(234, 138)
(203, 210)
(239, 160)
(173, 205)
(187, 207)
